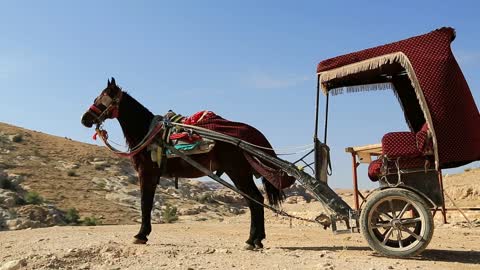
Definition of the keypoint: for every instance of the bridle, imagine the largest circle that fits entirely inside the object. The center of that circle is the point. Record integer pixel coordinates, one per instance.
(111, 112)
(111, 107)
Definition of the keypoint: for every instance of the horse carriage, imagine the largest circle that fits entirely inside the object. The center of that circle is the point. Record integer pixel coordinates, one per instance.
(397, 218)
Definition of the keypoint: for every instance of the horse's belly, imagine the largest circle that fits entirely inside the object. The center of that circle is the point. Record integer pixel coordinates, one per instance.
(177, 167)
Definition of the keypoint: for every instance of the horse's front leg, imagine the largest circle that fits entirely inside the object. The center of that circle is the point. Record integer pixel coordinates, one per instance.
(148, 184)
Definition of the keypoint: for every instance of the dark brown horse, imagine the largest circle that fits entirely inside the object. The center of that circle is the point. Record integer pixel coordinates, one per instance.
(135, 121)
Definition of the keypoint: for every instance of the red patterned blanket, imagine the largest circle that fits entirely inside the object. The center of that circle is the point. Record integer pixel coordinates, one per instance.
(211, 121)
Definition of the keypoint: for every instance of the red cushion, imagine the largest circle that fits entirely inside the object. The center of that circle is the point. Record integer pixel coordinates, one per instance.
(400, 144)
(374, 169)
(409, 163)
(424, 141)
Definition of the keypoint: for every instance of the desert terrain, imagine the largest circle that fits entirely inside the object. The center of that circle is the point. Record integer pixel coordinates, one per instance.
(211, 223)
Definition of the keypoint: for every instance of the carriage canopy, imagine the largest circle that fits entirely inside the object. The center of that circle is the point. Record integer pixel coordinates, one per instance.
(429, 84)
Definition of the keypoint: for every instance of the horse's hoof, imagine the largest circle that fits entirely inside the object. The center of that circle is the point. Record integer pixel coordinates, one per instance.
(259, 246)
(249, 247)
(139, 241)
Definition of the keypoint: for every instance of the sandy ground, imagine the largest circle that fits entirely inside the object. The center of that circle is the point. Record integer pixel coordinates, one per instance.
(219, 245)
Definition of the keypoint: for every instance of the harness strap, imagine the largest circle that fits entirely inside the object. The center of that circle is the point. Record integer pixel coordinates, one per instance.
(155, 127)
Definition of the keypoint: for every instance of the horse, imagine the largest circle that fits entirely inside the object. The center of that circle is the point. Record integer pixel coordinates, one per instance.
(135, 120)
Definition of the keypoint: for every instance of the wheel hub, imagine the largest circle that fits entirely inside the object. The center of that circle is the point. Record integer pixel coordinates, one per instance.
(396, 224)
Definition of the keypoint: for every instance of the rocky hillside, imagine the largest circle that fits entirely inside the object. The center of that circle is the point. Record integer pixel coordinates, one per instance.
(61, 174)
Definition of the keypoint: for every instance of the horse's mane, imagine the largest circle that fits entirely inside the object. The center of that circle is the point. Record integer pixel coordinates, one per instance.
(134, 119)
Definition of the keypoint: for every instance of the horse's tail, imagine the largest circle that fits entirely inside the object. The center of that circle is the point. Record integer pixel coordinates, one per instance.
(275, 196)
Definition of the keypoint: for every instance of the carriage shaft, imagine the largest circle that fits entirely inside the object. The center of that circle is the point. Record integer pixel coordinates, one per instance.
(320, 190)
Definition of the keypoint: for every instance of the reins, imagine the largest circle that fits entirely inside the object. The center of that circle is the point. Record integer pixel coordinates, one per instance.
(155, 128)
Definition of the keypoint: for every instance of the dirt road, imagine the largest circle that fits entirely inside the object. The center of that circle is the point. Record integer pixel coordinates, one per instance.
(218, 245)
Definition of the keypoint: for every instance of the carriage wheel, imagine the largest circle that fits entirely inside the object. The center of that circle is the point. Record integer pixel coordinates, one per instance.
(397, 223)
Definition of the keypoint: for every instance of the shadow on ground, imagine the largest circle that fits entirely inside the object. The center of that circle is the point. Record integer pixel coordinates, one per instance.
(325, 248)
(438, 255)
(459, 256)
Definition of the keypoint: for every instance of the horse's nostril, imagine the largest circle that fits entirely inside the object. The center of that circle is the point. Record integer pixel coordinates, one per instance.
(86, 121)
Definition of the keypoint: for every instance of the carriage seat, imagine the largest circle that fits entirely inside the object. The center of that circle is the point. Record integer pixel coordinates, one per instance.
(411, 150)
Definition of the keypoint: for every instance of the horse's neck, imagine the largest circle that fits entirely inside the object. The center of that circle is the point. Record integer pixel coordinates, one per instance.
(134, 119)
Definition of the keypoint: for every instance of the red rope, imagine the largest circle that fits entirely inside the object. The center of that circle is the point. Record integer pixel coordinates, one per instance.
(104, 136)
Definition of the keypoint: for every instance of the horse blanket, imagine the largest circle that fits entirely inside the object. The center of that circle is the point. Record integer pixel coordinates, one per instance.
(211, 121)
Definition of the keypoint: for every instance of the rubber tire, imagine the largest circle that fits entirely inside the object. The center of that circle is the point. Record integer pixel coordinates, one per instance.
(413, 198)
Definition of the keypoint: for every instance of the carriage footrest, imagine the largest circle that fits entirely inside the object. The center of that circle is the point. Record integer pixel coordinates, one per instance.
(342, 231)
(349, 225)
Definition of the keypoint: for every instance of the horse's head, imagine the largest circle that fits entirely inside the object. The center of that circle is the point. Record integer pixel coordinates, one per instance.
(104, 106)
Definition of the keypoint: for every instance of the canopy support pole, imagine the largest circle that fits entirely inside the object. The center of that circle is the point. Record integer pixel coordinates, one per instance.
(315, 134)
(326, 119)
(318, 158)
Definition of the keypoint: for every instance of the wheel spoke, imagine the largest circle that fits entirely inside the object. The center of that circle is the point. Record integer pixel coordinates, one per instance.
(387, 236)
(410, 221)
(399, 238)
(385, 225)
(418, 237)
(390, 202)
(403, 210)
(383, 214)
(387, 215)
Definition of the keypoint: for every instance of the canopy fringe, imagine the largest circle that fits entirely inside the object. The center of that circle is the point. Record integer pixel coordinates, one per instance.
(369, 64)
(362, 88)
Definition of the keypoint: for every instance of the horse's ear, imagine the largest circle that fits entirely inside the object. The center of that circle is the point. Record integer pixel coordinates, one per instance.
(113, 81)
(108, 82)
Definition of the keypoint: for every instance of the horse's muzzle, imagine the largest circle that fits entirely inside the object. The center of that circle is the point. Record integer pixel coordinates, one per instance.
(87, 120)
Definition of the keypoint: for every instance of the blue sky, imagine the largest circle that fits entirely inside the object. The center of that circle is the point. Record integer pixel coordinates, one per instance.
(249, 61)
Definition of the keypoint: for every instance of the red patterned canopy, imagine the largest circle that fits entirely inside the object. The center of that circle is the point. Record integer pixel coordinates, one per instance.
(428, 83)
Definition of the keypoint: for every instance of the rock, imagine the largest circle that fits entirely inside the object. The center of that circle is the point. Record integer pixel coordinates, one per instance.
(21, 223)
(16, 179)
(298, 190)
(7, 198)
(84, 266)
(15, 138)
(36, 216)
(102, 163)
(188, 211)
(291, 200)
(134, 192)
(123, 198)
(3, 175)
(295, 199)
(236, 211)
(209, 251)
(228, 197)
(13, 265)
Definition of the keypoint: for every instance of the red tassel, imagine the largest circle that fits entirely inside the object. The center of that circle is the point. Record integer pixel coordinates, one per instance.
(95, 136)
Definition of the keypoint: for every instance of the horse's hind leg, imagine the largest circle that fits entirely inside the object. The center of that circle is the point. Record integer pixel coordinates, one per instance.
(244, 182)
